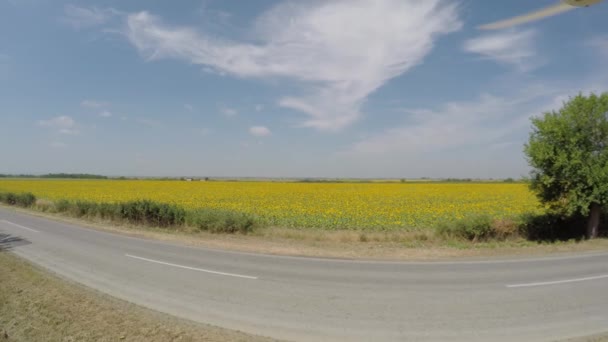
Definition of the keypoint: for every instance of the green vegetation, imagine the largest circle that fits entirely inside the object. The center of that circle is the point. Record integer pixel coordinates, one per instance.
(57, 175)
(221, 221)
(22, 200)
(142, 212)
(475, 228)
(568, 151)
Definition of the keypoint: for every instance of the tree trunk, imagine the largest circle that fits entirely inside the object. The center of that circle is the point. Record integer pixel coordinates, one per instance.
(594, 220)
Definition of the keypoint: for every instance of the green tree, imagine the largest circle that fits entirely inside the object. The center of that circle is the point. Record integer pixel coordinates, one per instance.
(568, 151)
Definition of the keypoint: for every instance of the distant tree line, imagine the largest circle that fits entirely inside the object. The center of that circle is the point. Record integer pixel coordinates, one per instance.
(57, 175)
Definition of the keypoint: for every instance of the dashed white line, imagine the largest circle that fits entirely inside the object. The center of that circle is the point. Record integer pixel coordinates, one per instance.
(559, 281)
(20, 226)
(191, 268)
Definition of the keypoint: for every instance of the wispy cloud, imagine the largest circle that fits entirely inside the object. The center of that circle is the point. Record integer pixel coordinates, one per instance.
(85, 17)
(93, 104)
(600, 44)
(489, 120)
(258, 107)
(188, 107)
(105, 114)
(58, 144)
(259, 131)
(515, 48)
(148, 122)
(339, 51)
(62, 124)
(226, 111)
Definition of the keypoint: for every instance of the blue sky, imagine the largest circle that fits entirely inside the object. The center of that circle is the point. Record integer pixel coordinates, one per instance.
(386, 88)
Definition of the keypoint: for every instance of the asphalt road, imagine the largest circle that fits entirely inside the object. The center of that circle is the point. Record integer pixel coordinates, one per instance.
(308, 299)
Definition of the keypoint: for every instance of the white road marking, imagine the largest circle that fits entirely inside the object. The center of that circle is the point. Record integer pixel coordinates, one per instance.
(20, 226)
(191, 268)
(559, 281)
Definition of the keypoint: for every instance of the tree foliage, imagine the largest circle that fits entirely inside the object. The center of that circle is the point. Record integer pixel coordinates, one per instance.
(568, 151)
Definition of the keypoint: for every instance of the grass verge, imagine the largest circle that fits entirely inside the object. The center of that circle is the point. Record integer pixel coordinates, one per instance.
(38, 306)
(478, 236)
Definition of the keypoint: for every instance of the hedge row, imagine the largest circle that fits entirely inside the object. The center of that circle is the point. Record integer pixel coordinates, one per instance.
(22, 200)
(142, 212)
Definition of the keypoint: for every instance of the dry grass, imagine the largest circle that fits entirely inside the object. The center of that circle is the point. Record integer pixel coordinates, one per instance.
(37, 306)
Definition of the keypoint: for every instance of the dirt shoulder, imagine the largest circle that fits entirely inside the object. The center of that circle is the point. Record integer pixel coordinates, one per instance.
(38, 306)
(339, 244)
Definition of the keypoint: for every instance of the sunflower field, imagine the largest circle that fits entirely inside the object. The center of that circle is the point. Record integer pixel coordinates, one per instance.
(374, 205)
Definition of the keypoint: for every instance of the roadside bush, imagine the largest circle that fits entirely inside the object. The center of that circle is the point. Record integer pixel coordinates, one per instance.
(10, 198)
(108, 211)
(152, 213)
(82, 208)
(221, 221)
(473, 228)
(62, 206)
(26, 199)
(143, 212)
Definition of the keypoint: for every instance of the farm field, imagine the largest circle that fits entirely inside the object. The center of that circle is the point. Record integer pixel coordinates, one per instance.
(369, 206)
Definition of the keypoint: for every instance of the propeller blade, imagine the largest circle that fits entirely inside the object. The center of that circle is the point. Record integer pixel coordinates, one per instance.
(542, 13)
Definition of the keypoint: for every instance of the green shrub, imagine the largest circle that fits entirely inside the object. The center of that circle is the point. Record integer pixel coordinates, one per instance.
(62, 206)
(82, 208)
(26, 199)
(152, 213)
(108, 211)
(221, 221)
(10, 198)
(473, 228)
(143, 212)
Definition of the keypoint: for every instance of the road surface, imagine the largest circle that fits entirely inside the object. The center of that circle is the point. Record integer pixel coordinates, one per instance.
(310, 299)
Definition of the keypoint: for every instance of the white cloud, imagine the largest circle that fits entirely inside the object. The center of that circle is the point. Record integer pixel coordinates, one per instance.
(188, 107)
(62, 124)
(487, 121)
(93, 104)
(148, 122)
(258, 107)
(516, 48)
(259, 131)
(84, 17)
(600, 44)
(105, 114)
(228, 111)
(340, 51)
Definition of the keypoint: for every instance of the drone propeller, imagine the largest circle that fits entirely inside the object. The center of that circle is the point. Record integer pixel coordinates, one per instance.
(563, 6)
